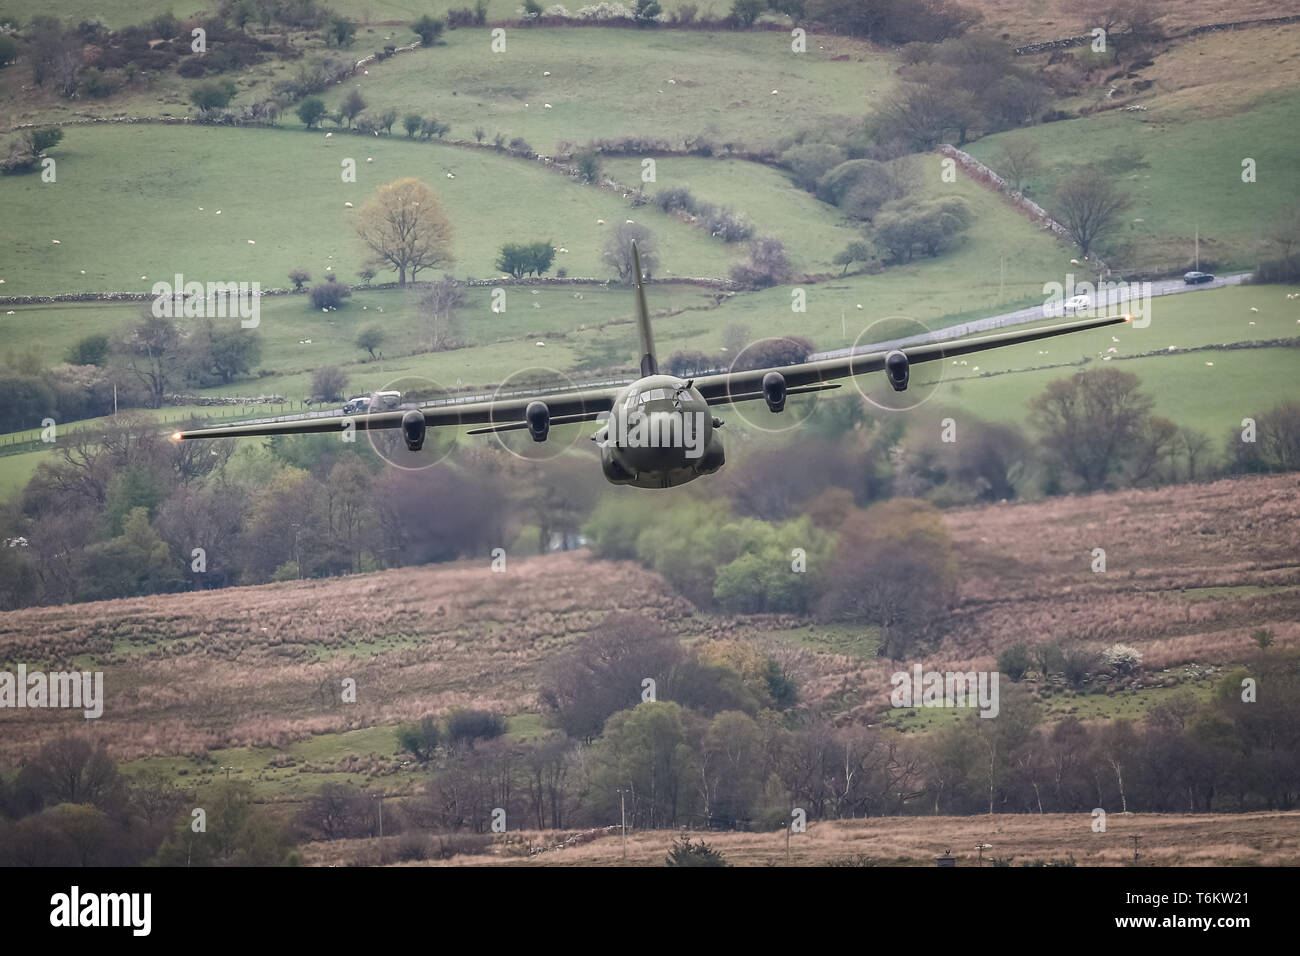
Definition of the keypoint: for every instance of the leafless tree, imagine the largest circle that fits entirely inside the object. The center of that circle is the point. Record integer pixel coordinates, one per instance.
(1090, 205)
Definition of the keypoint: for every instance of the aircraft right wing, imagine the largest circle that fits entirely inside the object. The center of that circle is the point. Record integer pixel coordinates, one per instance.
(741, 386)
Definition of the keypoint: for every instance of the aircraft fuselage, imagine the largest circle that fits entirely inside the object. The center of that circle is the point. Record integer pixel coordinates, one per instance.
(660, 433)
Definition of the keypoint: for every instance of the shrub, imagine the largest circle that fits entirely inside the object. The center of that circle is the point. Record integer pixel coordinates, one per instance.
(328, 294)
(745, 12)
(1015, 661)
(588, 167)
(428, 29)
(1077, 664)
(311, 111)
(766, 265)
(1123, 658)
(674, 198)
(330, 383)
(213, 96)
(686, 853)
(46, 138)
(464, 726)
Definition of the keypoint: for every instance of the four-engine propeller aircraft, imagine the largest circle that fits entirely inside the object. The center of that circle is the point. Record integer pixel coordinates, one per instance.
(658, 431)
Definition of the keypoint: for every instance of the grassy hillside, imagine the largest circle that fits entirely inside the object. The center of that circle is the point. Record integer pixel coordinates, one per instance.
(607, 83)
(250, 677)
(157, 192)
(1247, 839)
(1190, 178)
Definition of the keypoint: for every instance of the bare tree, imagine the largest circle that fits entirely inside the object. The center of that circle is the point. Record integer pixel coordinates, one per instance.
(1018, 161)
(617, 252)
(1090, 206)
(150, 349)
(437, 303)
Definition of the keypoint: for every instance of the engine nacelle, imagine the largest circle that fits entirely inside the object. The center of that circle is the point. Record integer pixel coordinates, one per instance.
(413, 428)
(774, 391)
(538, 416)
(897, 369)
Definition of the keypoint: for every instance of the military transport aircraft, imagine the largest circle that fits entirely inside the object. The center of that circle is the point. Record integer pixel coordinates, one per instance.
(656, 432)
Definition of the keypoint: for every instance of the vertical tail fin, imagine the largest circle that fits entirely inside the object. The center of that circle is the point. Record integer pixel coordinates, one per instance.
(649, 364)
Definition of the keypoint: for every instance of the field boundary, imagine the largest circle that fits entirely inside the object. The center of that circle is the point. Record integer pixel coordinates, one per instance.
(1043, 46)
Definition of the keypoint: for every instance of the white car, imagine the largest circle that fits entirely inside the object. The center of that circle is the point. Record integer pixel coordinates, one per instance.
(1077, 303)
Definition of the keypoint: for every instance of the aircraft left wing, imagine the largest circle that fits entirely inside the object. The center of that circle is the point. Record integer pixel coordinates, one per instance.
(741, 386)
(577, 405)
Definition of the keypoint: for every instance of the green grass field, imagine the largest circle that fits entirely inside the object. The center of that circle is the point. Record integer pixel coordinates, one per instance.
(1191, 180)
(602, 83)
(1120, 705)
(119, 13)
(157, 191)
(606, 83)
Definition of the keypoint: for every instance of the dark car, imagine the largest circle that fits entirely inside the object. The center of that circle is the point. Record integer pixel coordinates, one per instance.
(1195, 278)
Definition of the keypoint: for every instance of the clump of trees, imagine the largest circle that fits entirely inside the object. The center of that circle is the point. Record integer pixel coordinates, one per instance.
(69, 805)
(27, 149)
(521, 259)
(903, 229)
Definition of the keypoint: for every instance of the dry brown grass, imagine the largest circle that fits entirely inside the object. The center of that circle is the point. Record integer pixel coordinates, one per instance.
(1218, 73)
(1030, 21)
(1247, 839)
(262, 666)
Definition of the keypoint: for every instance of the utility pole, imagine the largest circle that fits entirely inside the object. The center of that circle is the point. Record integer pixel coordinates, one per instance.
(380, 798)
(622, 812)
(1135, 839)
